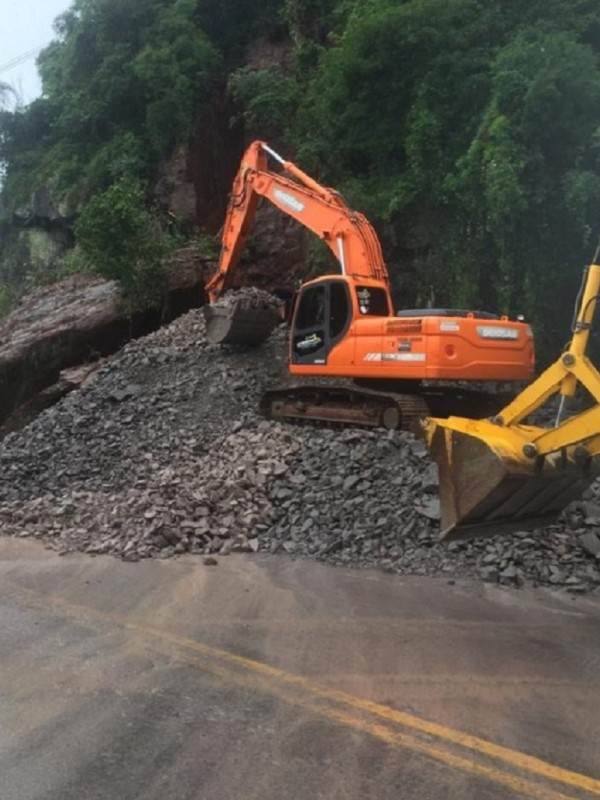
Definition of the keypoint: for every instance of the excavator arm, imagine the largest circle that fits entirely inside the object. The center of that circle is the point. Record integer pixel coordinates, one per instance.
(348, 234)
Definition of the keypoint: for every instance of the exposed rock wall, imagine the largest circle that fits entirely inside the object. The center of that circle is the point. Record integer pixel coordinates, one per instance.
(194, 187)
(77, 321)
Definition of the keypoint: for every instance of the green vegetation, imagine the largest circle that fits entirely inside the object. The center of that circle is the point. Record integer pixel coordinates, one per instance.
(4, 299)
(125, 242)
(467, 130)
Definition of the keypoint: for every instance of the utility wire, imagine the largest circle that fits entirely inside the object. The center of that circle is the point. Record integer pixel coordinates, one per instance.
(20, 59)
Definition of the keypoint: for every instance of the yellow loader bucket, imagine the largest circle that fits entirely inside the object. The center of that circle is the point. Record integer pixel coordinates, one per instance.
(488, 487)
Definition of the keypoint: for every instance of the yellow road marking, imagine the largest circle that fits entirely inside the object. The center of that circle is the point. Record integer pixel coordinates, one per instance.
(513, 758)
(385, 734)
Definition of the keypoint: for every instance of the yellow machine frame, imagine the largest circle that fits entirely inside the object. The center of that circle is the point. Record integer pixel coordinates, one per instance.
(500, 474)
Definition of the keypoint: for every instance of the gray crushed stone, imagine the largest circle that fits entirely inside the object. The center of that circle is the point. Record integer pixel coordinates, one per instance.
(249, 296)
(167, 453)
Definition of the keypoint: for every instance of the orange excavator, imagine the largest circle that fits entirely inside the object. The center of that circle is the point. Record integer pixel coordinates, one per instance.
(393, 367)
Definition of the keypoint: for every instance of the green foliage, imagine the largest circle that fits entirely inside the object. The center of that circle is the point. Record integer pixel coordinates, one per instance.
(175, 69)
(468, 133)
(268, 98)
(73, 262)
(529, 181)
(24, 139)
(124, 242)
(5, 299)
(467, 130)
(123, 83)
(233, 25)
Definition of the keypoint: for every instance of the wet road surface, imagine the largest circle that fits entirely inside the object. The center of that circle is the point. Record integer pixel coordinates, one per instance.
(268, 678)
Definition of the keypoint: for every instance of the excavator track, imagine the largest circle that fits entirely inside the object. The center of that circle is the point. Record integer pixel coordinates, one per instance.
(357, 406)
(346, 405)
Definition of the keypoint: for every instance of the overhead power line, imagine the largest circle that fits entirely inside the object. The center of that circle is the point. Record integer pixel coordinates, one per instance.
(14, 62)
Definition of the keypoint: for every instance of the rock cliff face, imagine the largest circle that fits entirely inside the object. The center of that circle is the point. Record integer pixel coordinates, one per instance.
(41, 231)
(77, 322)
(277, 255)
(194, 188)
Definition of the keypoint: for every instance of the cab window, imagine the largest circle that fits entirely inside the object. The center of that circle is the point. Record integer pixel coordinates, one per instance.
(372, 302)
(339, 310)
(311, 312)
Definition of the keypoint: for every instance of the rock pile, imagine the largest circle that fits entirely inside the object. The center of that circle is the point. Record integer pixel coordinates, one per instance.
(166, 453)
(251, 297)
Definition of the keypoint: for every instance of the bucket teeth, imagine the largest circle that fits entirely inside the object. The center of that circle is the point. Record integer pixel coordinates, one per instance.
(487, 491)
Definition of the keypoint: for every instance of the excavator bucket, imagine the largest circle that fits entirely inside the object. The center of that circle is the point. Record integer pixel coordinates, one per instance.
(240, 323)
(487, 488)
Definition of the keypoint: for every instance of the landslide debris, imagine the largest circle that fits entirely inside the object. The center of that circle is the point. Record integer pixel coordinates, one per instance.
(250, 296)
(68, 324)
(166, 453)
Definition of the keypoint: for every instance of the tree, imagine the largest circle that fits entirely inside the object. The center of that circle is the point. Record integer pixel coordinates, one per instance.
(529, 185)
(124, 242)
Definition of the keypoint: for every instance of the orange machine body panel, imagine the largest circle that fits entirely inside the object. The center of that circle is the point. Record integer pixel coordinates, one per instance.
(419, 347)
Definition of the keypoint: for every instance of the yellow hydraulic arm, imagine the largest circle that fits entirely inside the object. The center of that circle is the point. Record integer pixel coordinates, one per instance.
(500, 475)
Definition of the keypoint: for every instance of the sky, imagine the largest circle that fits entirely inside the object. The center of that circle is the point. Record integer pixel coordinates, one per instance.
(25, 25)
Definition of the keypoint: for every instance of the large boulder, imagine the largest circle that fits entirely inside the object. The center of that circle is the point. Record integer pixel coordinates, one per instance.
(277, 255)
(77, 321)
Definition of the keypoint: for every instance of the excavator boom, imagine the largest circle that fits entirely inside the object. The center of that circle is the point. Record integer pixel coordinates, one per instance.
(347, 233)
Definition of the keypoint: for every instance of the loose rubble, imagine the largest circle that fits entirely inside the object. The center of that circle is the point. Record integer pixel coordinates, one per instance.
(166, 453)
(250, 296)
(80, 318)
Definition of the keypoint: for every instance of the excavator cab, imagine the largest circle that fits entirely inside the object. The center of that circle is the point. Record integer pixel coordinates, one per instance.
(507, 473)
(313, 327)
(324, 313)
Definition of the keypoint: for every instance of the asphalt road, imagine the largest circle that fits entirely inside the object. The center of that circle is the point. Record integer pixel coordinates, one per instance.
(267, 678)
